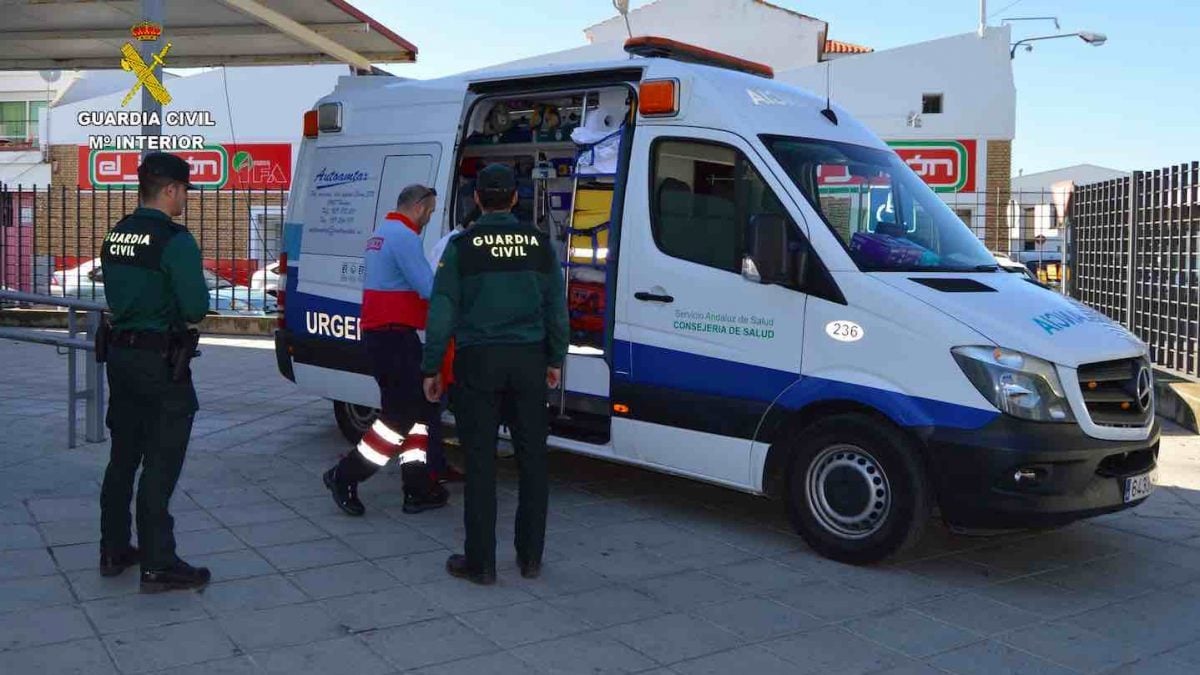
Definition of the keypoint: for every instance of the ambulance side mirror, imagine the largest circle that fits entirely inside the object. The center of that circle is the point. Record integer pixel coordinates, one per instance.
(770, 258)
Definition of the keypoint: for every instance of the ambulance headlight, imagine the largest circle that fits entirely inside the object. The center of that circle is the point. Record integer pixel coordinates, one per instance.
(1017, 384)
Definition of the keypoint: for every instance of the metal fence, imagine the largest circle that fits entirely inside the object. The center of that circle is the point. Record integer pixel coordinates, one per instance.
(1136, 257)
(50, 237)
(50, 241)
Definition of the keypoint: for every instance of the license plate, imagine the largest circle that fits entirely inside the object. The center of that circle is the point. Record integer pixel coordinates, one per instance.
(1139, 487)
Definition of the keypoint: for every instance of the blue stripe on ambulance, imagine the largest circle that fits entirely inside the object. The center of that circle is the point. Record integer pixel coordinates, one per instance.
(719, 382)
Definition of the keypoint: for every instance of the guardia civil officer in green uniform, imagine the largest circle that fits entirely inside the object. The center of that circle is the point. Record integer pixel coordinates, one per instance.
(155, 287)
(499, 293)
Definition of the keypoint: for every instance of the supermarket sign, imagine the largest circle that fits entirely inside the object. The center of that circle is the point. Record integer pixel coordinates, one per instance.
(245, 166)
(946, 166)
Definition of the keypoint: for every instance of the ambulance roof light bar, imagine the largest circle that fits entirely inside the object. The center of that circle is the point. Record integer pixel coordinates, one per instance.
(665, 48)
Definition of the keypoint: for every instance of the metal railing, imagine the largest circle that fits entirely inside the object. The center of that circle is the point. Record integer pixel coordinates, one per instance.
(51, 237)
(1136, 252)
(93, 393)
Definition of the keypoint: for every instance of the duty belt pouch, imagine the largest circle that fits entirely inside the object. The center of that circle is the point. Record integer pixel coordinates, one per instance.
(180, 353)
(101, 338)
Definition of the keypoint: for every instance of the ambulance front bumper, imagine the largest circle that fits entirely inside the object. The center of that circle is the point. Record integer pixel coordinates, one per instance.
(1017, 474)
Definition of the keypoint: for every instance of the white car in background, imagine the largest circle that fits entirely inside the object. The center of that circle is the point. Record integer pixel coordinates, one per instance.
(85, 282)
(1009, 265)
(266, 279)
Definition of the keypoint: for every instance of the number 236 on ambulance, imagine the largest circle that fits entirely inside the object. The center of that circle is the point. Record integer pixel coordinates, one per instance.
(785, 308)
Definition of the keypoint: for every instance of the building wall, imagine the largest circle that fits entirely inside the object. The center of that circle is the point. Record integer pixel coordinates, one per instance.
(1080, 174)
(883, 89)
(746, 28)
(999, 173)
(267, 104)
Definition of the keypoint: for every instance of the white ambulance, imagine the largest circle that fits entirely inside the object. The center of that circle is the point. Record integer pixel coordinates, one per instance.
(763, 296)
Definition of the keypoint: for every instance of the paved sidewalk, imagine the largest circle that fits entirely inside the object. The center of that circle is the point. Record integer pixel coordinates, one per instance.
(645, 573)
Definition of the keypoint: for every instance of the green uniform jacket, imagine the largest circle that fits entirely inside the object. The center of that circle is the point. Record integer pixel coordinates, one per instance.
(153, 276)
(498, 283)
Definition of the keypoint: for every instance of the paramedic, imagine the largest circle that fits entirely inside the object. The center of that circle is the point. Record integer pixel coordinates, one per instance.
(394, 307)
(439, 467)
(499, 294)
(154, 286)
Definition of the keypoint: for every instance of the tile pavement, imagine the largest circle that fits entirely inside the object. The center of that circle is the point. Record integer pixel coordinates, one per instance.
(645, 573)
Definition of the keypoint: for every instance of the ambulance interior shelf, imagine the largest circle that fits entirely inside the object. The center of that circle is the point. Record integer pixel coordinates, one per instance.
(573, 201)
(598, 143)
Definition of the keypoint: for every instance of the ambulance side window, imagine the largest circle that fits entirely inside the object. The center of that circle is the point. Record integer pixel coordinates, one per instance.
(703, 196)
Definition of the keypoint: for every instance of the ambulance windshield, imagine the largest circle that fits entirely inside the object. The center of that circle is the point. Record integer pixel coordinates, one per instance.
(887, 218)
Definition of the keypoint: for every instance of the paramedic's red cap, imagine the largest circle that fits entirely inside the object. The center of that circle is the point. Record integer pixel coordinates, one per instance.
(496, 178)
(168, 166)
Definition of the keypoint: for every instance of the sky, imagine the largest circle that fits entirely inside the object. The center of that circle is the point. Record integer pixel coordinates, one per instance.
(1133, 103)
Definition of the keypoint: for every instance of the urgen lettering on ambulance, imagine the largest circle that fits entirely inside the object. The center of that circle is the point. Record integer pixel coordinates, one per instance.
(505, 245)
(332, 325)
(125, 244)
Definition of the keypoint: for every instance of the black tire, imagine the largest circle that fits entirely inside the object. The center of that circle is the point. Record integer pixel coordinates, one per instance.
(353, 420)
(856, 490)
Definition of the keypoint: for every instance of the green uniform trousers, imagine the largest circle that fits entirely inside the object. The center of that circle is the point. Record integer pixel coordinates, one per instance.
(489, 378)
(151, 419)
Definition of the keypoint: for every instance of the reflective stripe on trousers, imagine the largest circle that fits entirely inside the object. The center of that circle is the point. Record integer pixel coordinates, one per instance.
(381, 443)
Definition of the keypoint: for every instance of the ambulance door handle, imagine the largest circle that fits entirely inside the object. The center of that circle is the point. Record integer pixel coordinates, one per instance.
(653, 297)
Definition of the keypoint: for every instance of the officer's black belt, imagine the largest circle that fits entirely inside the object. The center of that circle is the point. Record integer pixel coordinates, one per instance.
(148, 340)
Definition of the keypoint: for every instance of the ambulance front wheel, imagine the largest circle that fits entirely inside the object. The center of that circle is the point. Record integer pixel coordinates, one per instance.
(353, 420)
(856, 491)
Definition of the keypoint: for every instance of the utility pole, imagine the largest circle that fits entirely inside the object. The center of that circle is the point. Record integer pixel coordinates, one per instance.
(982, 17)
(152, 11)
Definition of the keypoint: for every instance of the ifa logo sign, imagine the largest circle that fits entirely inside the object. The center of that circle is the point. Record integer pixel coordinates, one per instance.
(243, 167)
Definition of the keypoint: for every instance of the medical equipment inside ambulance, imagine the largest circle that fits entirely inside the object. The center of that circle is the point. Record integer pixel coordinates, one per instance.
(564, 149)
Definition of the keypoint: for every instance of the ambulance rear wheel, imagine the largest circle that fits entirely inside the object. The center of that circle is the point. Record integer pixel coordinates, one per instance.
(353, 420)
(856, 491)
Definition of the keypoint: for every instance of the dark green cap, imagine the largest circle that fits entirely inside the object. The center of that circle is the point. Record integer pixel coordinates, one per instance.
(496, 178)
(167, 165)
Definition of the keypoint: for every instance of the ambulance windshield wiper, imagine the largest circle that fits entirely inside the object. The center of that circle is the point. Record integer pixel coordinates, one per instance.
(985, 268)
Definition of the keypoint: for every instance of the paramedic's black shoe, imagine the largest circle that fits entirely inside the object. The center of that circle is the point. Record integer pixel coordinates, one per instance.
(530, 570)
(114, 561)
(179, 576)
(434, 498)
(457, 566)
(345, 495)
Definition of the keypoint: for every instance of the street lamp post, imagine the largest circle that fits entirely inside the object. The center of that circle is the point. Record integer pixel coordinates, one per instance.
(1093, 39)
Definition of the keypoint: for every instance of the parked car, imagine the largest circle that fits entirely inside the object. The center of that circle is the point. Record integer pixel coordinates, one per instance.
(225, 297)
(266, 279)
(85, 281)
(1009, 265)
(1047, 266)
(241, 300)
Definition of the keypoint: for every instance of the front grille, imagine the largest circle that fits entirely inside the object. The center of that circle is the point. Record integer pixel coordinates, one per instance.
(1110, 392)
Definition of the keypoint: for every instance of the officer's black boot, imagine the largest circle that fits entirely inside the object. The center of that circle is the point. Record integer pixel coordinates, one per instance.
(421, 491)
(530, 569)
(176, 577)
(343, 479)
(114, 560)
(458, 566)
